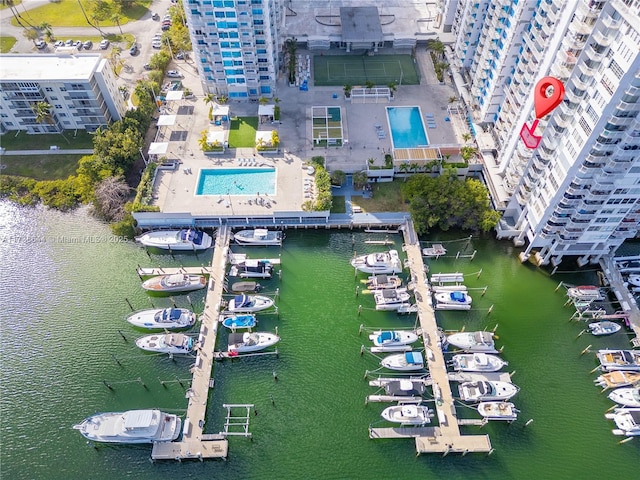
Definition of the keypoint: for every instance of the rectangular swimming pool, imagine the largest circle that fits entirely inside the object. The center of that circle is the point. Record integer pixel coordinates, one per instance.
(236, 181)
(406, 127)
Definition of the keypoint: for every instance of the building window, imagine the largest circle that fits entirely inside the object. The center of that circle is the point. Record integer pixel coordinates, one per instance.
(616, 69)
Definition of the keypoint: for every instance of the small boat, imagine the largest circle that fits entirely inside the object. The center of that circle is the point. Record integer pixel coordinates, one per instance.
(619, 360)
(252, 268)
(133, 426)
(178, 240)
(167, 343)
(634, 279)
(498, 411)
(617, 378)
(405, 388)
(435, 250)
(589, 293)
(251, 342)
(392, 339)
(164, 318)
(453, 300)
(604, 328)
(485, 390)
(627, 396)
(259, 236)
(406, 362)
(391, 299)
(239, 322)
(627, 420)
(249, 303)
(378, 263)
(408, 414)
(177, 282)
(481, 341)
(240, 287)
(383, 282)
(477, 362)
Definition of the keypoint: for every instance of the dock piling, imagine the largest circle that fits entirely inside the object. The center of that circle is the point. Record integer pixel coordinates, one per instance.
(122, 335)
(107, 385)
(273, 402)
(357, 291)
(529, 422)
(275, 375)
(585, 350)
(359, 310)
(142, 383)
(360, 329)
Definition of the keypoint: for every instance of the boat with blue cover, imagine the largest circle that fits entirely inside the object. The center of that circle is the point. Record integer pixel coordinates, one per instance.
(240, 322)
(393, 340)
(453, 300)
(406, 362)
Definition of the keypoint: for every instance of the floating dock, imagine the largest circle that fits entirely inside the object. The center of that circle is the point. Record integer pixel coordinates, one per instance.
(194, 443)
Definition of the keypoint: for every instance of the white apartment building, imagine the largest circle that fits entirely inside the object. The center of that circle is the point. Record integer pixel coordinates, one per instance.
(236, 45)
(81, 90)
(578, 193)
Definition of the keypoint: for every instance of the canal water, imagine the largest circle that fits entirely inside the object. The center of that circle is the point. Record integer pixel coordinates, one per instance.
(67, 352)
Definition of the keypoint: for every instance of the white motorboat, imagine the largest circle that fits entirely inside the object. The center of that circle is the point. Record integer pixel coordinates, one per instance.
(252, 268)
(173, 343)
(177, 282)
(133, 426)
(382, 282)
(163, 318)
(259, 236)
(241, 287)
(498, 411)
(390, 340)
(627, 420)
(589, 293)
(604, 328)
(378, 263)
(477, 362)
(627, 396)
(405, 388)
(251, 342)
(239, 322)
(482, 391)
(178, 240)
(619, 360)
(453, 300)
(249, 303)
(617, 378)
(634, 279)
(481, 341)
(406, 362)
(391, 299)
(435, 250)
(408, 414)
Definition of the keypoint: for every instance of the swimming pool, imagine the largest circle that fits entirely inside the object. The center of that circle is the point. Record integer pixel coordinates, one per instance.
(406, 127)
(236, 181)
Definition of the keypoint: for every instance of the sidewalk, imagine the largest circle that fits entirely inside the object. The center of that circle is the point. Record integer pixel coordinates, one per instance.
(56, 151)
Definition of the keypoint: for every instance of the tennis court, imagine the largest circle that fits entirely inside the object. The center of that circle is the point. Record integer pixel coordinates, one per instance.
(338, 70)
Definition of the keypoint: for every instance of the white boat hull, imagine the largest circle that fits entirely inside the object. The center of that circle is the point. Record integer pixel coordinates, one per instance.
(251, 342)
(408, 414)
(132, 427)
(627, 396)
(175, 283)
(404, 362)
(588, 293)
(627, 420)
(485, 391)
(480, 341)
(163, 318)
(258, 237)
(505, 411)
(393, 338)
(378, 263)
(453, 300)
(617, 378)
(628, 360)
(255, 303)
(176, 240)
(477, 362)
(604, 328)
(172, 343)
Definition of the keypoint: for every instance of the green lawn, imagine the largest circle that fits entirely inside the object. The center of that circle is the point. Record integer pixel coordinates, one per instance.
(6, 44)
(242, 132)
(40, 167)
(338, 205)
(23, 141)
(338, 70)
(386, 198)
(66, 13)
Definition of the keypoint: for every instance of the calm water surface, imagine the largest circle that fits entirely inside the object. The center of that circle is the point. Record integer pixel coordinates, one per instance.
(64, 287)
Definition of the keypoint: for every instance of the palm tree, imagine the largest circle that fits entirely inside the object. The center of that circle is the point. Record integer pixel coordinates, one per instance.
(30, 34)
(436, 46)
(404, 168)
(43, 112)
(393, 86)
(369, 84)
(276, 100)
(115, 18)
(263, 100)
(291, 48)
(209, 98)
(347, 90)
(466, 136)
(414, 167)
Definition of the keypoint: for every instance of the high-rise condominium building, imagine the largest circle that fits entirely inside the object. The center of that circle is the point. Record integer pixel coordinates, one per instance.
(80, 90)
(236, 45)
(578, 192)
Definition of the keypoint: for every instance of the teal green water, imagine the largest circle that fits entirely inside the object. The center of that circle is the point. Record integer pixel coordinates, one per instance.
(63, 287)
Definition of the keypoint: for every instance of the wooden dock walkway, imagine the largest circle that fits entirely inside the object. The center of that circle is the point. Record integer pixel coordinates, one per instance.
(194, 443)
(447, 437)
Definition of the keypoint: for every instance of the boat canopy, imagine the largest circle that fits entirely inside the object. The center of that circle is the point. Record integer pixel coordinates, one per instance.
(458, 297)
(387, 336)
(242, 301)
(137, 419)
(236, 338)
(413, 357)
(190, 235)
(261, 233)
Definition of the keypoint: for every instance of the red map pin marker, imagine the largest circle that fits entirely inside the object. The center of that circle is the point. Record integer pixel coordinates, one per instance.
(546, 103)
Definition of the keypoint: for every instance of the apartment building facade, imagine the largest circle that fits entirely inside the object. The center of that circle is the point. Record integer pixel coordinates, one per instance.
(237, 46)
(80, 89)
(578, 193)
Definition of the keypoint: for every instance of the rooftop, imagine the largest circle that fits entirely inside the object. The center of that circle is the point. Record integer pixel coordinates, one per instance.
(53, 67)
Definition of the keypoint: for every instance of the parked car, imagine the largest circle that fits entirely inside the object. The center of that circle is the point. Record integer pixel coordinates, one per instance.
(59, 43)
(155, 16)
(69, 43)
(88, 45)
(40, 44)
(104, 44)
(156, 44)
(146, 66)
(134, 49)
(174, 74)
(78, 45)
(182, 55)
(166, 27)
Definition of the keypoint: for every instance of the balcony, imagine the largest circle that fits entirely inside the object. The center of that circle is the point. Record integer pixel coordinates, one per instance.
(609, 21)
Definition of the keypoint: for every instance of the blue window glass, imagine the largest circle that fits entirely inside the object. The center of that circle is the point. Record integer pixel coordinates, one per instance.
(219, 14)
(265, 89)
(231, 81)
(208, 14)
(230, 14)
(227, 63)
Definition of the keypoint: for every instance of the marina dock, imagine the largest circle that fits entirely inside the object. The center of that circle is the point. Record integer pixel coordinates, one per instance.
(446, 438)
(194, 443)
